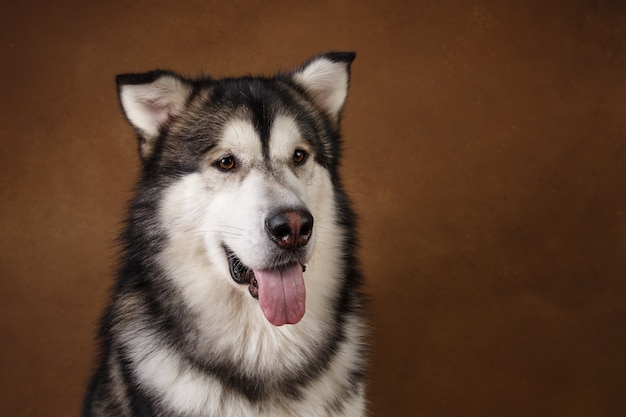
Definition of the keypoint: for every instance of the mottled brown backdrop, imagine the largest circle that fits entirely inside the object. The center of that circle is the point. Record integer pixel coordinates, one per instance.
(485, 150)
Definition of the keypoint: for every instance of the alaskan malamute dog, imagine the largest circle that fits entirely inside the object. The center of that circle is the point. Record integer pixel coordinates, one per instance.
(239, 292)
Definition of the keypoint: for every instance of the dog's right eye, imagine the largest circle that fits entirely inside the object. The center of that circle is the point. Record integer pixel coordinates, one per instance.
(299, 157)
(226, 164)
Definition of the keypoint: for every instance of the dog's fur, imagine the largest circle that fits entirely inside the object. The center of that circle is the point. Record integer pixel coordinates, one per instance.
(226, 165)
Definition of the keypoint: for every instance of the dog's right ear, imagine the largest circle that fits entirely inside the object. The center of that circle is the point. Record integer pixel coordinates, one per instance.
(149, 101)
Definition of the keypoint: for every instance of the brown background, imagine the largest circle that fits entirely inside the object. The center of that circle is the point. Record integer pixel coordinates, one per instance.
(485, 151)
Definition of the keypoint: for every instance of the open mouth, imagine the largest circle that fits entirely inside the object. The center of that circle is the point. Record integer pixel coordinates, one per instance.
(280, 290)
(241, 274)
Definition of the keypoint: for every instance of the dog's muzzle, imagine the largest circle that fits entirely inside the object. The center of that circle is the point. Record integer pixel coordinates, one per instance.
(279, 285)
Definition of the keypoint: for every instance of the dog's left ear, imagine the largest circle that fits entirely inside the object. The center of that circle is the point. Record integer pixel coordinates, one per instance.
(325, 78)
(149, 101)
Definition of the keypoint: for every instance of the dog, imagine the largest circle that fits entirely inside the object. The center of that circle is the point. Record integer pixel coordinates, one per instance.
(239, 292)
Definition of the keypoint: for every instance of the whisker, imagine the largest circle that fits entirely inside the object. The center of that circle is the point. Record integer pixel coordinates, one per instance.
(225, 232)
(225, 225)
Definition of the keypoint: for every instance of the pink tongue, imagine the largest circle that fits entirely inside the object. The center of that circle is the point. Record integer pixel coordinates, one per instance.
(282, 294)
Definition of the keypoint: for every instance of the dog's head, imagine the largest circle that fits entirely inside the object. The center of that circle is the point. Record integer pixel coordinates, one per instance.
(246, 169)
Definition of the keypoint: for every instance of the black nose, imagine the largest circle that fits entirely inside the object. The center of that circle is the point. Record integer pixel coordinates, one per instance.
(290, 229)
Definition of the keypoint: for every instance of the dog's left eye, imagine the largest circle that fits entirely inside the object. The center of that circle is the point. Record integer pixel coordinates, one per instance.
(226, 164)
(299, 156)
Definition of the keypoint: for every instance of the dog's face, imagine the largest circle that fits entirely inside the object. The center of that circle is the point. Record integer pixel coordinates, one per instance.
(247, 166)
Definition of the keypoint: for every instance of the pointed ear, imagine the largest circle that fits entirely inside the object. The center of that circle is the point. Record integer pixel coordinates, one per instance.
(149, 101)
(325, 78)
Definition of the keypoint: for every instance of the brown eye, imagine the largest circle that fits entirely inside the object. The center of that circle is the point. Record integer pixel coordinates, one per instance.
(226, 164)
(299, 156)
